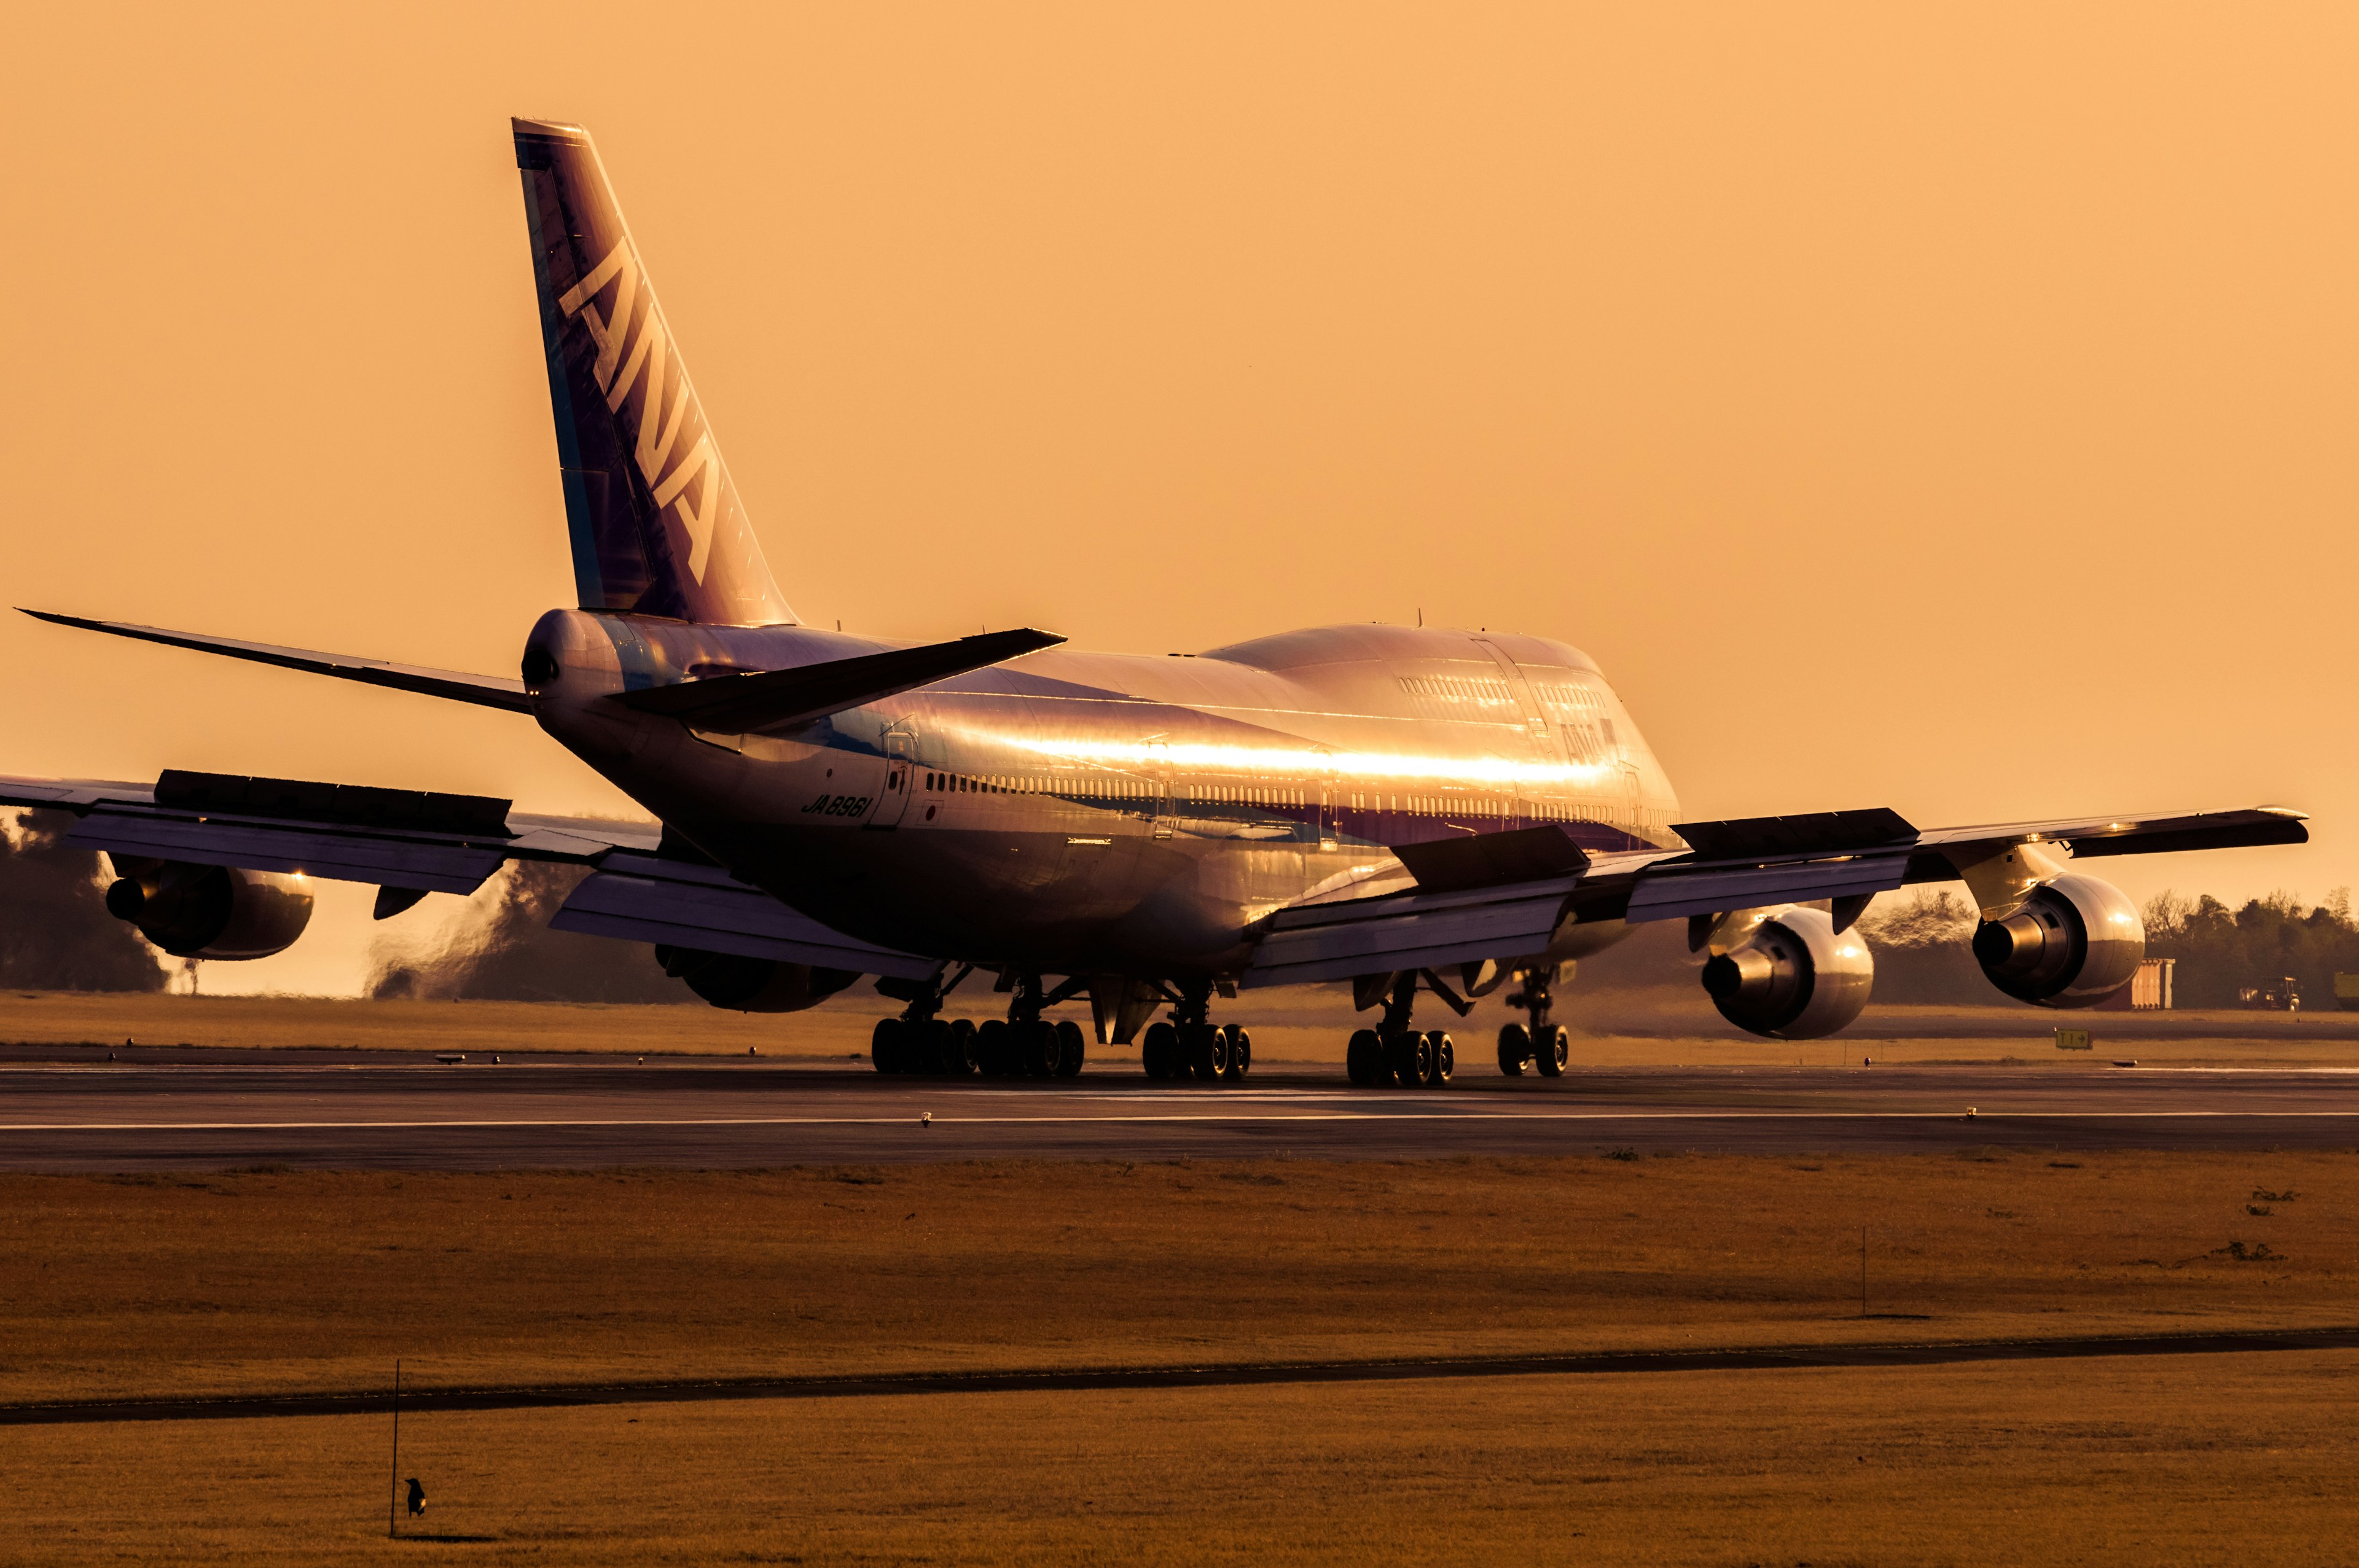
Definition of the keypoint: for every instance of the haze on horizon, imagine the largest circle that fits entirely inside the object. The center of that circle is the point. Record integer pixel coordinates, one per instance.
(1941, 411)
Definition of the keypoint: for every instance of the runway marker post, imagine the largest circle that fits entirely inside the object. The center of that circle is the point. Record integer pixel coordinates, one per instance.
(393, 1491)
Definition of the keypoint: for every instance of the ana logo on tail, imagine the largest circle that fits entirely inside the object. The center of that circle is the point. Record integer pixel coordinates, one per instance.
(659, 431)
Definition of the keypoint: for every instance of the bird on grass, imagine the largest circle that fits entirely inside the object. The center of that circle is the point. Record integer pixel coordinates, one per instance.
(417, 1497)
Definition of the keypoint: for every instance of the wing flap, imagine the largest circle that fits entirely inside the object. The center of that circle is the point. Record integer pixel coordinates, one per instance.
(640, 898)
(436, 866)
(1336, 941)
(1674, 892)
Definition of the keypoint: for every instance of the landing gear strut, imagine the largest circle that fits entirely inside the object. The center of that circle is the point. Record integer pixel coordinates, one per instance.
(1543, 1044)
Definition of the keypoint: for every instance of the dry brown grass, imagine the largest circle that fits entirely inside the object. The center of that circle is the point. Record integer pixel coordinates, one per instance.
(2234, 1459)
(177, 1284)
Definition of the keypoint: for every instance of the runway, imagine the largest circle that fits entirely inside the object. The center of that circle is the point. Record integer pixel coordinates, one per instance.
(69, 1108)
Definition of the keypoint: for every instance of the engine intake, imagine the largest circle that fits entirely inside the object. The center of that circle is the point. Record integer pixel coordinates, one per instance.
(1792, 976)
(2072, 942)
(751, 985)
(209, 911)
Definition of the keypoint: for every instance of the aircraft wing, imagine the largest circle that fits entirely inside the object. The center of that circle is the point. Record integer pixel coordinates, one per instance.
(646, 898)
(1503, 895)
(448, 843)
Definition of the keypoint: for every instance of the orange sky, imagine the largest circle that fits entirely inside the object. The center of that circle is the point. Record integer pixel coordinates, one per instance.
(1945, 410)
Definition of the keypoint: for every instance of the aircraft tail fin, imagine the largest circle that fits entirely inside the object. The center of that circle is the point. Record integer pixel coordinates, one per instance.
(655, 522)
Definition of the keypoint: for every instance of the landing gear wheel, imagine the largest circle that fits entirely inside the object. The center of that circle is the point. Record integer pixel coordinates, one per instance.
(1039, 1047)
(926, 1045)
(958, 1048)
(884, 1045)
(1205, 1050)
(1071, 1047)
(1363, 1059)
(1407, 1055)
(1240, 1054)
(993, 1051)
(1159, 1052)
(1555, 1049)
(1515, 1050)
(1441, 1059)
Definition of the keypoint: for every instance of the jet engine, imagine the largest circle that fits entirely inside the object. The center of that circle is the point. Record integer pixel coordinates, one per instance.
(2074, 942)
(209, 911)
(751, 985)
(1788, 973)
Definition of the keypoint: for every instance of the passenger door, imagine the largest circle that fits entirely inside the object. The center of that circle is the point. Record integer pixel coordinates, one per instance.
(900, 777)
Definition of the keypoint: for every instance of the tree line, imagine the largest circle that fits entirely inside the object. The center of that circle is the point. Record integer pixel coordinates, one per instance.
(1922, 953)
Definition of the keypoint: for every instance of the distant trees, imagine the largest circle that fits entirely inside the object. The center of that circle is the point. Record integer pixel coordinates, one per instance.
(2220, 949)
(55, 933)
(1921, 952)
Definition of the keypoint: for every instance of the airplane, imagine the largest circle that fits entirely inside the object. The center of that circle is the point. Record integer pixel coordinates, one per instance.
(1415, 810)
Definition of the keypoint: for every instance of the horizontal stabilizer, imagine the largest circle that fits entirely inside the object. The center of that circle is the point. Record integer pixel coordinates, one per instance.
(781, 699)
(485, 691)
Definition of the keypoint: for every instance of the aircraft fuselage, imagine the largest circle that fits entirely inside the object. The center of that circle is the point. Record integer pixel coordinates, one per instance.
(1083, 812)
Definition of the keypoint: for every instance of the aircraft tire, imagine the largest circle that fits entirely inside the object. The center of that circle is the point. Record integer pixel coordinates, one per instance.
(1363, 1059)
(1441, 1059)
(1515, 1050)
(1071, 1047)
(1206, 1052)
(958, 1048)
(1041, 1048)
(991, 1048)
(1554, 1050)
(1240, 1054)
(1405, 1059)
(1158, 1052)
(884, 1045)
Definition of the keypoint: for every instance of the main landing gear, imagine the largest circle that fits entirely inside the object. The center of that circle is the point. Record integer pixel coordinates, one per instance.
(1191, 1046)
(1023, 1045)
(1393, 1054)
(1542, 1044)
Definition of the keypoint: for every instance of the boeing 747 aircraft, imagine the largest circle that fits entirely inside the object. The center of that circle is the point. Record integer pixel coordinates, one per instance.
(1414, 810)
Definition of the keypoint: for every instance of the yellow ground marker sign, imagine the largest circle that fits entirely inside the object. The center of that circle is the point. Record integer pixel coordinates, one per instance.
(2072, 1040)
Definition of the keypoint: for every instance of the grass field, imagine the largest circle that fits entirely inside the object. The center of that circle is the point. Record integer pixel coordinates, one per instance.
(2232, 1460)
(1303, 1026)
(282, 1280)
(173, 1284)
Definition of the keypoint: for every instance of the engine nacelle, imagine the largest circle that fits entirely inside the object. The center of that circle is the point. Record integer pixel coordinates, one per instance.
(209, 911)
(2072, 942)
(1789, 974)
(753, 985)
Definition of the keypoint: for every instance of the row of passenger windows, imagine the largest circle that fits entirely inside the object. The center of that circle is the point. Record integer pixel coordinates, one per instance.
(1025, 784)
(1490, 693)
(1244, 795)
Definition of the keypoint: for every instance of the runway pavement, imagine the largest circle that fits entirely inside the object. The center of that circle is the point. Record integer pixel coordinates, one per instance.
(69, 1108)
